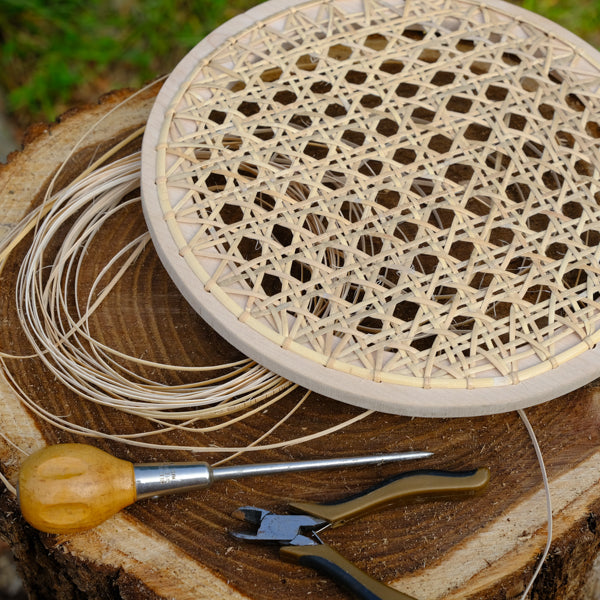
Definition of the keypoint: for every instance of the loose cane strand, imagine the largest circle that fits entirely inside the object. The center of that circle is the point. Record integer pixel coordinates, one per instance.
(59, 333)
(538, 453)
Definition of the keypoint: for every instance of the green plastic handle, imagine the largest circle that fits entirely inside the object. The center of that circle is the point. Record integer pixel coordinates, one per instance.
(414, 483)
(326, 560)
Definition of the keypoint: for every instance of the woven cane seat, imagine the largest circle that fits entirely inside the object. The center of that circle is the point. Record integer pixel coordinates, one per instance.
(393, 203)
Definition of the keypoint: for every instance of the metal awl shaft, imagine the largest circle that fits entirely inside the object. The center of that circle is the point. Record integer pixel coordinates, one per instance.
(235, 472)
(155, 479)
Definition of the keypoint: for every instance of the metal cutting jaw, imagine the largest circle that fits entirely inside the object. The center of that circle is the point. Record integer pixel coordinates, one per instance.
(287, 530)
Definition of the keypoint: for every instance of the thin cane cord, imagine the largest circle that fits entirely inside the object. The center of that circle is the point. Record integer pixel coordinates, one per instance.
(540, 458)
(8, 244)
(7, 484)
(58, 328)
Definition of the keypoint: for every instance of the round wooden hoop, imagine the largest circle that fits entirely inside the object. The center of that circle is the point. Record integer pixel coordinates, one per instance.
(526, 360)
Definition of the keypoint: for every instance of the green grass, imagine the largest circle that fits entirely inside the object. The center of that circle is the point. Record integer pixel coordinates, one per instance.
(55, 54)
(582, 17)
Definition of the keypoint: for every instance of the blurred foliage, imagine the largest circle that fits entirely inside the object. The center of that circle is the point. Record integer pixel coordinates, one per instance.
(55, 54)
(582, 17)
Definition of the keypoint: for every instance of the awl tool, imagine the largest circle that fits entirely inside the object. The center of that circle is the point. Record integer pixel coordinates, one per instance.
(73, 487)
(298, 534)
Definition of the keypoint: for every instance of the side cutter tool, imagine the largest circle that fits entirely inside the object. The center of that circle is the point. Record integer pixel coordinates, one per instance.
(298, 534)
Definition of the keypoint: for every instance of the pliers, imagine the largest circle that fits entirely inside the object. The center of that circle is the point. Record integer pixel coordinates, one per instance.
(297, 534)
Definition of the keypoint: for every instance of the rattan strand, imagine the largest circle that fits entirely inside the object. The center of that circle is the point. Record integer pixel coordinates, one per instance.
(54, 316)
(405, 192)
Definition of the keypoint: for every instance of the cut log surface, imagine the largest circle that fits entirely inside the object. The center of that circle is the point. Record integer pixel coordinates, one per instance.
(178, 547)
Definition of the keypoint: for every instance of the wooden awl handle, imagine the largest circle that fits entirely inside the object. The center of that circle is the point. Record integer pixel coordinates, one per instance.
(72, 487)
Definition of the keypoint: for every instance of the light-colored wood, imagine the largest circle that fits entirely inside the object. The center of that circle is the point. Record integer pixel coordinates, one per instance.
(68, 488)
(178, 548)
(393, 204)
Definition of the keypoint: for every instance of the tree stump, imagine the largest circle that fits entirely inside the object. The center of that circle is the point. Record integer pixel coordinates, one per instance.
(178, 547)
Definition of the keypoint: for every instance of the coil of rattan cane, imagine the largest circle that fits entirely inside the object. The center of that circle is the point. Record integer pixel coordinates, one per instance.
(392, 202)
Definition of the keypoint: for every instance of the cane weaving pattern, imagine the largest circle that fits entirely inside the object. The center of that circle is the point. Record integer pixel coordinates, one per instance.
(403, 191)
